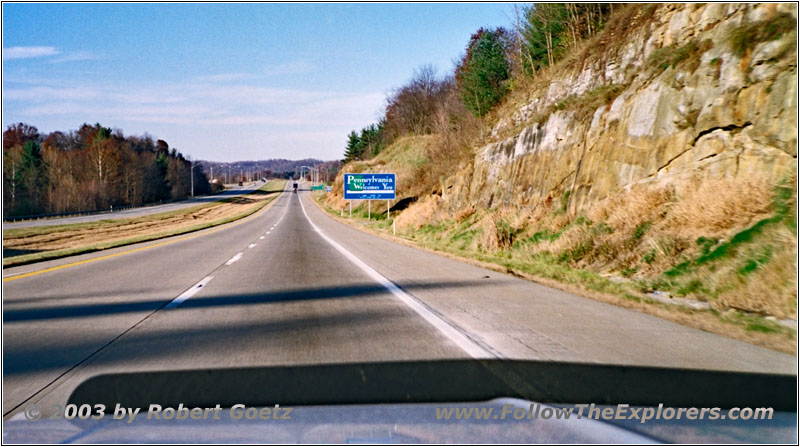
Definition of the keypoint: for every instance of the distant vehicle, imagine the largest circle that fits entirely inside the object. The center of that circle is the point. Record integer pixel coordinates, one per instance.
(240, 184)
(295, 186)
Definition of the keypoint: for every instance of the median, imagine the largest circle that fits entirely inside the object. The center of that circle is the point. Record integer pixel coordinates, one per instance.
(35, 244)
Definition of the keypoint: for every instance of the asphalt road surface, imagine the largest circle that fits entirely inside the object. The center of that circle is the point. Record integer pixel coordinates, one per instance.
(290, 286)
(137, 212)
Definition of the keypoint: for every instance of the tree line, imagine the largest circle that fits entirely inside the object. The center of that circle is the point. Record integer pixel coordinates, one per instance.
(92, 168)
(494, 59)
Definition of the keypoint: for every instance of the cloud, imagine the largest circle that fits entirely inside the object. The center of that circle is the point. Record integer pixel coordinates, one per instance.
(251, 113)
(28, 52)
(76, 56)
(44, 93)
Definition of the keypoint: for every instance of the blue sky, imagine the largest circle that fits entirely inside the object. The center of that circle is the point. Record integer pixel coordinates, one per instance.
(226, 81)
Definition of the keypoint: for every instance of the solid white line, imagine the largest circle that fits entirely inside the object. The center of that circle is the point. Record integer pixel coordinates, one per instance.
(472, 348)
(251, 245)
(234, 259)
(189, 293)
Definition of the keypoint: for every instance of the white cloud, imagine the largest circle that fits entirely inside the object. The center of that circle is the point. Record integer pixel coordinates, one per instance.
(245, 115)
(74, 57)
(43, 93)
(28, 52)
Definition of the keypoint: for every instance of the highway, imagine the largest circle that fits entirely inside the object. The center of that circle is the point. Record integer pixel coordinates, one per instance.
(128, 213)
(290, 285)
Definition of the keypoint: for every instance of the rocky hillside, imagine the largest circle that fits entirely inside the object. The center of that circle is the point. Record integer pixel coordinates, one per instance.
(680, 97)
(655, 161)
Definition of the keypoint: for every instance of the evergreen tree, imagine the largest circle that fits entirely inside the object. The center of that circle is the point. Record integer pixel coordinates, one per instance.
(483, 72)
(354, 148)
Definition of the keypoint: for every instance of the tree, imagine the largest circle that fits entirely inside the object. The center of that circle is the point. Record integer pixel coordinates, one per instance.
(31, 177)
(548, 30)
(354, 148)
(410, 109)
(19, 134)
(482, 74)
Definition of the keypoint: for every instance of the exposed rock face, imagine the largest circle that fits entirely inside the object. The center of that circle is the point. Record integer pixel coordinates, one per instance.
(718, 116)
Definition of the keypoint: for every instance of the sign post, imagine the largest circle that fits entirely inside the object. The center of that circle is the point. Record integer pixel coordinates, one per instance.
(370, 187)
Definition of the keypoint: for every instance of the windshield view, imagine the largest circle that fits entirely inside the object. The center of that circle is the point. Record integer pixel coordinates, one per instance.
(483, 223)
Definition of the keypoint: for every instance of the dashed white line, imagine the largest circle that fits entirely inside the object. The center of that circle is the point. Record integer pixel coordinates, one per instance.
(251, 245)
(234, 259)
(450, 330)
(262, 237)
(188, 294)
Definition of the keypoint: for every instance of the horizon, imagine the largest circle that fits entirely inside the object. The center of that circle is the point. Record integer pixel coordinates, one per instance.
(195, 76)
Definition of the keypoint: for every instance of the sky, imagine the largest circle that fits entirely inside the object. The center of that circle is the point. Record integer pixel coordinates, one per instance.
(226, 82)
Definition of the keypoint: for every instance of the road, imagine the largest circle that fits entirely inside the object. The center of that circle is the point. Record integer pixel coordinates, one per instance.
(233, 191)
(290, 285)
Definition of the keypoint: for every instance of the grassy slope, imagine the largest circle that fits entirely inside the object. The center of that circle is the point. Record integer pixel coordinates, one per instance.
(272, 186)
(463, 240)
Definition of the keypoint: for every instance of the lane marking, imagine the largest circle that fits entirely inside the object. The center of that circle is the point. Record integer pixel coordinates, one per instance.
(147, 247)
(251, 245)
(450, 330)
(268, 232)
(235, 258)
(262, 237)
(188, 293)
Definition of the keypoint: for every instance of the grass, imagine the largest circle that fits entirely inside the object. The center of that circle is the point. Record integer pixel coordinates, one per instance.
(269, 188)
(722, 264)
(673, 56)
(744, 38)
(630, 245)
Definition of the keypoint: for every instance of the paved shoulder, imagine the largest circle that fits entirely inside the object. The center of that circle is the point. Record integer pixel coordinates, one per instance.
(524, 320)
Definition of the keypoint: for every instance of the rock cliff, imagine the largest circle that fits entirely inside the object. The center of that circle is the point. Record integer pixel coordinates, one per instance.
(679, 97)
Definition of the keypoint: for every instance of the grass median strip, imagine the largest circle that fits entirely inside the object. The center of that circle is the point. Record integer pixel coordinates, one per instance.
(28, 245)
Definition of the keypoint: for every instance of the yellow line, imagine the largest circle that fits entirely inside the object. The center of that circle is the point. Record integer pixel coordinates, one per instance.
(114, 255)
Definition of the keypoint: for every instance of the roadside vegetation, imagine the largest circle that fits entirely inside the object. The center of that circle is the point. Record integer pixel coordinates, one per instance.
(26, 245)
(708, 257)
(90, 169)
(719, 255)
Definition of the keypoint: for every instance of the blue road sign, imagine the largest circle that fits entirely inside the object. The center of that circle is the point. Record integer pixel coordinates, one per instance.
(369, 186)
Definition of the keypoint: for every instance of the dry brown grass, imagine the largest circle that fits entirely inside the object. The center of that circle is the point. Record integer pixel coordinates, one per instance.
(73, 236)
(425, 211)
(711, 208)
(768, 291)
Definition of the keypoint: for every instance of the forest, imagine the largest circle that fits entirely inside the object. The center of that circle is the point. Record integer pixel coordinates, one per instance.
(93, 168)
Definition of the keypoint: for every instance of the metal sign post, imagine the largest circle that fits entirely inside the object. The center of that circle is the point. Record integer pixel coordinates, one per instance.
(388, 209)
(351, 210)
(369, 209)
